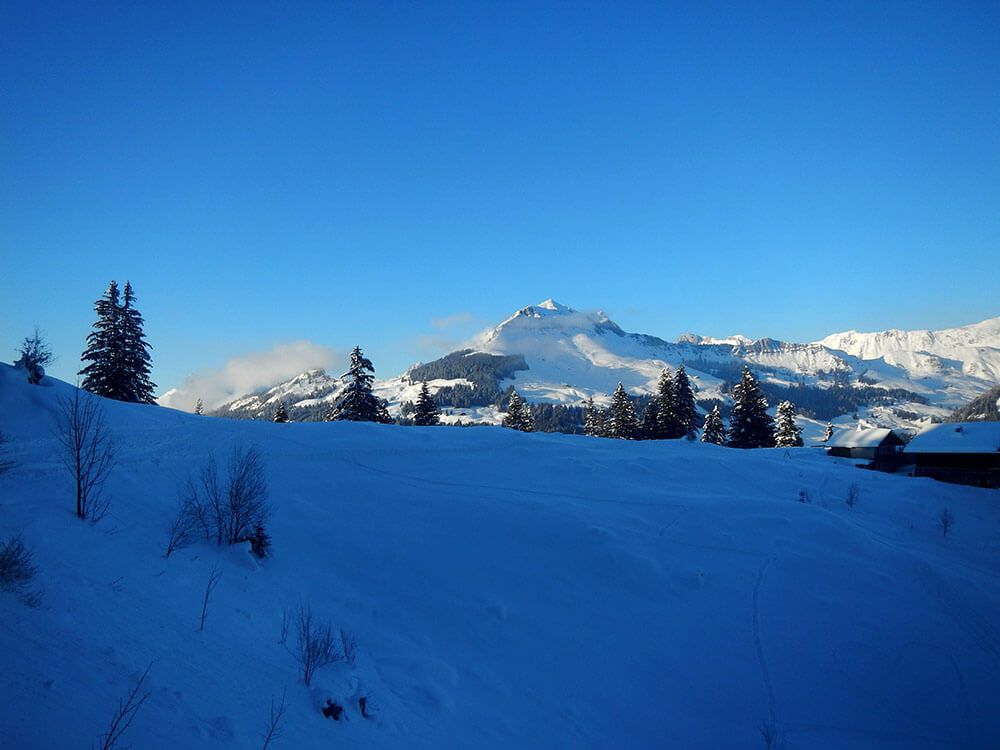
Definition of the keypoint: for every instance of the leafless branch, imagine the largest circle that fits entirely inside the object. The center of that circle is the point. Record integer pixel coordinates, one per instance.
(127, 709)
(213, 580)
(274, 725)
(88, 451)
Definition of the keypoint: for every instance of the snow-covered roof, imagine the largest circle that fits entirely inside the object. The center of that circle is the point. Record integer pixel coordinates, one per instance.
(870, 437)
(957, 437)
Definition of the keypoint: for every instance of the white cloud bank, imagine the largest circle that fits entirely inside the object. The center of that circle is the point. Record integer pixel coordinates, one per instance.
(248, 373)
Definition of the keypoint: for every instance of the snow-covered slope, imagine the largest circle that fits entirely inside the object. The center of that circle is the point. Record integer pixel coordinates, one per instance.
(506, 590)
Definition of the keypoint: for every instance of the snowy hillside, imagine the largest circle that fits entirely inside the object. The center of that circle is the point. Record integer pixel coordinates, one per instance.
(893, 379)
(505, 590)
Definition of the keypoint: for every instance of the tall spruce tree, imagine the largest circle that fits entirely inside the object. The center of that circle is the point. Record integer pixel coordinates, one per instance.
(104, 344)
(685, 411)
(357, 402)
(281, 413)
(666, 407)
(426, 412)
(622, 422)
(786, 433)
(750, 426)
(117, 350)
(518, 416)
(136, 362)
(714, 430)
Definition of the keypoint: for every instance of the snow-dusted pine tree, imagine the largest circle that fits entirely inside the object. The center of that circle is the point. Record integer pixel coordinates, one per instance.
(35, 354)
(199, 408)
(593, 419)
(685, 411)
(621, 420)
(829, 432)
(666, 416)
(281, 413)
(786, 433)
(518, 416)
(750, 426)
(426, 412)
(357, 402)
(714, 431)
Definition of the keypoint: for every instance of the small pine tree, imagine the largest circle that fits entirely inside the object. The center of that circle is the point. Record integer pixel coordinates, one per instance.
(829, 432)
(260, 542)
(426, 412)
(35, 354)
(518, 416)
(199, 408)
(685, 411)
(714, 430)
(666, 407)
(593, 419)
(786, 433)
(358, 403)
(622, 422)
(750, 426)
(281, 413)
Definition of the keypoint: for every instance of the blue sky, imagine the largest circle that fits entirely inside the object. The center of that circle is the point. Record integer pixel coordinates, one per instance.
(399, 175)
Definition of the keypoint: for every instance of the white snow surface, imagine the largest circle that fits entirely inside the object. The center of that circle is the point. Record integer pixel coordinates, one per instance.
(957, 437)
(506, 590)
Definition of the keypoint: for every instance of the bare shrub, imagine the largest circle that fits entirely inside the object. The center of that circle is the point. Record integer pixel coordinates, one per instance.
(853, 494)
(128, 707)
(273, 730)
(946, 520)
(286, 619)
(316, 646)
(228, 509)
(348, 646)
(16, 565)
(88, 451)
(213, 581)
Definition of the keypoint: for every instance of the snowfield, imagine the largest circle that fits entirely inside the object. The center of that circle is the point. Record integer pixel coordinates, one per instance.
(506, 590)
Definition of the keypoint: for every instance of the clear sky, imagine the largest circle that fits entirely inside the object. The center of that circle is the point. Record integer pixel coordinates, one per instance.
(398, 175)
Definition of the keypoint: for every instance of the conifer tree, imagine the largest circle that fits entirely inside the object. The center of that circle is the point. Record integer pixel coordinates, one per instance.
(199, 408)
(117, 350)
(829, 432)
(685, 411)
(357, 403)
(666, 418)
(518, 416)
(103, 350)
(281, 413)
(650, 427)
(622, 422)
(35, 354)
(593, 419)
(426, 412)
(136, 362)
(750, 426)
(786, 433)
(714, 430)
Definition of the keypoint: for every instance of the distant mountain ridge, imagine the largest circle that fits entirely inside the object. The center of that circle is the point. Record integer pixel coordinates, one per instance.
(554, 354)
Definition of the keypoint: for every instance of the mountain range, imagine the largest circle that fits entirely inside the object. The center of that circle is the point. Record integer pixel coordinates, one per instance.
(553, 354)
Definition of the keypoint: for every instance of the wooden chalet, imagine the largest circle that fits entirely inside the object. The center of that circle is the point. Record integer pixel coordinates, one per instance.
(957, 452)
(881, 447)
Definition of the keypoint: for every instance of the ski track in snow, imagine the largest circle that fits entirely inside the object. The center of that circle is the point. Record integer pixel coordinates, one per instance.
(759, 646)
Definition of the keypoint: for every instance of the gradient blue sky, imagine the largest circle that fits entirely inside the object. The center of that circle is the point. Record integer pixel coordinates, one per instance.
(401, 174)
